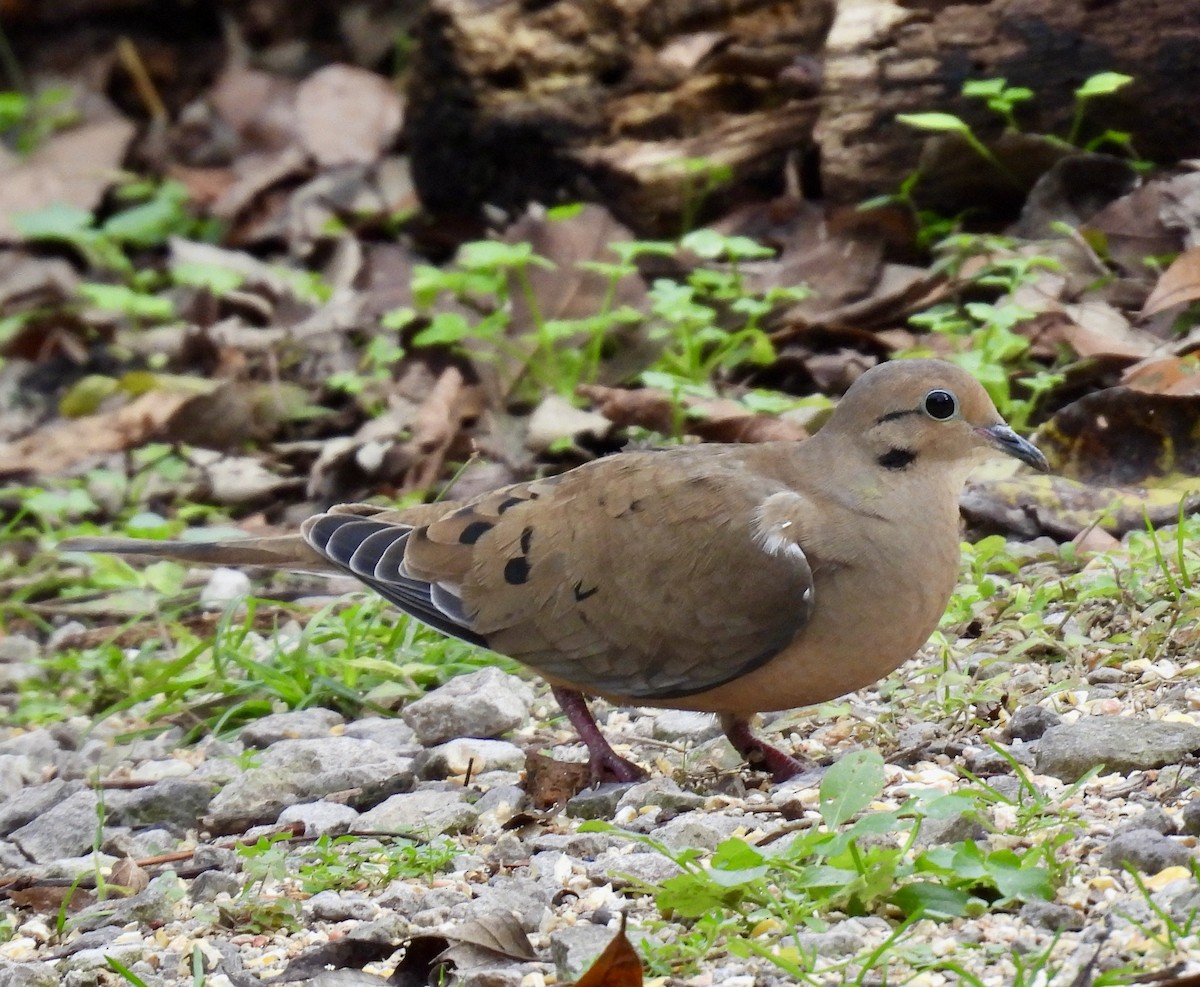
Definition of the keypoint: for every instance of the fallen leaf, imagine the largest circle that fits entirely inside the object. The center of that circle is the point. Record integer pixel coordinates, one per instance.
(1165, 375)
(127, 878)
(1178, 284)
(497, 933)
(618, 966)
(713, 419)
(347, 115)
(549, 782)
(73, 168)
(49, 900)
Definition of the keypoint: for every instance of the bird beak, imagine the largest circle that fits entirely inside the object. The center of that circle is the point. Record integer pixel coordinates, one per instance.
(1008, 442)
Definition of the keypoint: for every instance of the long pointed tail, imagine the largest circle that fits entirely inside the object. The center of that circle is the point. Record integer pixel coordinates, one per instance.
(290, 552)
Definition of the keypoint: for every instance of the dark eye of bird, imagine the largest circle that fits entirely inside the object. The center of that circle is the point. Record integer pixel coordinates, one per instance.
(940, 404)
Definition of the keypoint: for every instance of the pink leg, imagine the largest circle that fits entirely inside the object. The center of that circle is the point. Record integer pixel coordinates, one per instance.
(758, 754)
(605, 763)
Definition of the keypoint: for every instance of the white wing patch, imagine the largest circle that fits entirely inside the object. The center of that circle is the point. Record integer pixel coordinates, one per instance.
(775, 528)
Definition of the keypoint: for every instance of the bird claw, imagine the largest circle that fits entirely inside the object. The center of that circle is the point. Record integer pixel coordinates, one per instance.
(760, 755)
(608, 766)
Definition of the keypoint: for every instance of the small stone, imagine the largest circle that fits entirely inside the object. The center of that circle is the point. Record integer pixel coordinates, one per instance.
(66, 635)
(988, 761)
(698, 830)
(1105, 675)
(482, 704)
(209, 885)
(1051, 916)
(1191, 816)
(574, 949)
(950, 829)
(1152, 817)
(153, 907)
(17, 649)
(456, 757)
(320, 818)
(1144, 850)
(298, 724)
(173, 802)
(1122, 744)
(422, 813)
(662, 792)
(519, 897)
(65, 829)
(597, 803)
(216, 858)
(1030, 722)
(619, 869)
(390, 732)
(330, 906)
(224, 587)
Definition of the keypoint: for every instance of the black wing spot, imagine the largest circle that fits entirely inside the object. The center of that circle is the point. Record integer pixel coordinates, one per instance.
(526, 540)
(516, 571)
(897, 459)
(473, 532)
(504, 505)
(582, 594)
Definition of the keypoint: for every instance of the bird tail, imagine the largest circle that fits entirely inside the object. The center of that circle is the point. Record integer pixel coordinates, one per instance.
(289, 552)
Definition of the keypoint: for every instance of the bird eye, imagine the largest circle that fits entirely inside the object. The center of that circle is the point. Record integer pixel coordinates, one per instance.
(941, 405)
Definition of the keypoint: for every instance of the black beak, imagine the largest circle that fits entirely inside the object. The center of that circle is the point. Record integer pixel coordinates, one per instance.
(1008, 442)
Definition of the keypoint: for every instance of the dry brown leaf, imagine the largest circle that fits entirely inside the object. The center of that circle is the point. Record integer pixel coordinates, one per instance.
(618, 966)
(58, 446)
(75, 168)
(712, 419)
(439, 421)
(1165, 375)
(1179, 283)
(549, 782)
(127, 878)
(347, 115)
(49, 900)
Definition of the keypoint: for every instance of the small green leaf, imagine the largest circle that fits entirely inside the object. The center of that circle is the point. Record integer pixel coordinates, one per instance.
(931, 900)
(444, 328)
(1103, 84)
(946, 122)
(850, 786)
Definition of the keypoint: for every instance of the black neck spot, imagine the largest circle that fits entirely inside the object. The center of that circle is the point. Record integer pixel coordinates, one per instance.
(896, 459)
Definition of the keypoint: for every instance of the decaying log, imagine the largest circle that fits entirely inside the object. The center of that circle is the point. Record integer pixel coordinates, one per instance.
(514, 101)
(884, 58)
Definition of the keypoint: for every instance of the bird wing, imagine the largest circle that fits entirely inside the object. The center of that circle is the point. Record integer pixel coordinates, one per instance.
(646, 576)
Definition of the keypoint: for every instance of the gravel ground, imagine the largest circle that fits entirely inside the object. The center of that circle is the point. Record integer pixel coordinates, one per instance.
(485, 855)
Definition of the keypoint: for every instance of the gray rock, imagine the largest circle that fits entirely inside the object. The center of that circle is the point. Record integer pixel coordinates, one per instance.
(1030, 722)
(843, 939)
(121, 842)
(1152, 817)
(17, 649)
(330, 906)
(989, 761)
(389, 732)
(454, 758)
(1122, 744)
(39, 746)
(1105, 675)
(16, 771)
(320, 817)
(213, 883)
(1191, 816)
(506, 975)
(174, 802)
(1144, 850)
(216, 858)
(28, 975)
(91, 940)
(621, 869)
(597, 803)
(521, 897)
(698, 830)
(224, 586)
(66, 635)
(292, 771)
(11, 859)
(297, 724)
(153, 907)
(574, 949)
(1051, 916)
(65, 829)
(683, 724)
(483, 704)
(662, 792)
(422, 813)
(503, 799)
(951, 829)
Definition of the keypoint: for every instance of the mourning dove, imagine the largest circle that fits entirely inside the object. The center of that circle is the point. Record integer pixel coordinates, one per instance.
(731, 579)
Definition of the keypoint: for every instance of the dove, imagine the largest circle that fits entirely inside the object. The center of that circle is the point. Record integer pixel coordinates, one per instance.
(728, 579)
